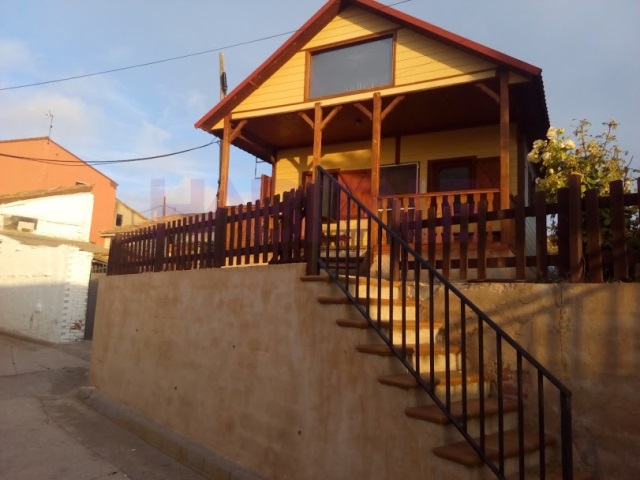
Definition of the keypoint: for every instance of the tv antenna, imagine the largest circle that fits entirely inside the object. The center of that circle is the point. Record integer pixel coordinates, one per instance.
(49, 115)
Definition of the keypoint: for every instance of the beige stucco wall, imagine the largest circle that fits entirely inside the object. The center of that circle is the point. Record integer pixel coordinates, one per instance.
(242, 361)
(245, 362)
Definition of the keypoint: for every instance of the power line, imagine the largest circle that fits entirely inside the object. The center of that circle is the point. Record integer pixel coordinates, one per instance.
(79, 163)
(164, 60)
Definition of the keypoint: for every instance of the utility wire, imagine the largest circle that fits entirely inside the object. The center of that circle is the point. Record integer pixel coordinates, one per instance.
(164, 60)
(79, 163)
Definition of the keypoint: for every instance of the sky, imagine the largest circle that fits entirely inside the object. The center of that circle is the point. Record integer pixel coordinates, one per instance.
(589, 52)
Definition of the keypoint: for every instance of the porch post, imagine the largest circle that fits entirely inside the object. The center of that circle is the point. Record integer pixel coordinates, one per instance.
(504, 139)
(274, 172)
(318, 124)
(317, 139)
(376, 140)
(225, 149)
(228, 136)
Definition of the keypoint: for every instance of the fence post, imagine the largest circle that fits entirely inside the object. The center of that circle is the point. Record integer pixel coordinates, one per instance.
(314, 216)
(520, 234)
(563, 231)
(114, 256)
(575, 228)
(594, 249)
(394, 224)
(620, 264)
(220, 237)
(160, 247)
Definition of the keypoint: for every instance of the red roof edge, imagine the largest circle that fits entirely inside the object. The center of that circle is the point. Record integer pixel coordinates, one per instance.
(323, 17)
(448, 37)
(269, 66)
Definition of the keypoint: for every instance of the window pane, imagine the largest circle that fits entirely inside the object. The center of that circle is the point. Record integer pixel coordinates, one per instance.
(398, 179)
(352, 68)
(454, 178)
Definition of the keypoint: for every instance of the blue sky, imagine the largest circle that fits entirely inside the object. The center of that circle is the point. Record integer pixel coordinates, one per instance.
(588, 50)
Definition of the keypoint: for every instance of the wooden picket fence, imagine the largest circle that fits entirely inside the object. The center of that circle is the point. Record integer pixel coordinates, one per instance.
(278, 231)
(592, 241)
(255, 233)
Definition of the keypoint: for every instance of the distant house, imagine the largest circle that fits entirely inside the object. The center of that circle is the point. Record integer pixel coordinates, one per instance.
(40, 163)
(46, 261)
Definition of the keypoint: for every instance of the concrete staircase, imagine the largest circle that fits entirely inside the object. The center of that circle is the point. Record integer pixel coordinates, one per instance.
(462, 460)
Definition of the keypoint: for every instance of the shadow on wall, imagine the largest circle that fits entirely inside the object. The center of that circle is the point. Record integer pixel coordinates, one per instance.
(588, 335)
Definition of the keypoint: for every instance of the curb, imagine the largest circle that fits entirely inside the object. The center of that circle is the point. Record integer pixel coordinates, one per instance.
(208, 463)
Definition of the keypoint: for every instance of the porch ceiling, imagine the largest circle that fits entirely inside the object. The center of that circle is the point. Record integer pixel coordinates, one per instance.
(463, 106)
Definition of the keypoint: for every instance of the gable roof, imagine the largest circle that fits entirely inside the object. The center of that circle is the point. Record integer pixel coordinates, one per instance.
(49, 192)
(49, 140)
(321, 18)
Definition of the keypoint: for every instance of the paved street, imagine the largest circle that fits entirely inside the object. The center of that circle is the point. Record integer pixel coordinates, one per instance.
(46, 432)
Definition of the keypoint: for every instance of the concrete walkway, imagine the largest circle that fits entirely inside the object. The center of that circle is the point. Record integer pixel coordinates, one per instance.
(46, 432)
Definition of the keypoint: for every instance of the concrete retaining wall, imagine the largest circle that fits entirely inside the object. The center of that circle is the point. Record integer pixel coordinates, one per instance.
(244, 362)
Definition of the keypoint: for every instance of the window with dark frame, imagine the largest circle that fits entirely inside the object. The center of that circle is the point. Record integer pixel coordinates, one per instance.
(351, 68)
(399, 179)
(463, 174)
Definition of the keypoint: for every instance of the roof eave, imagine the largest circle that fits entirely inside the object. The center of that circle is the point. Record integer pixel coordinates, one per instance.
(270, 65)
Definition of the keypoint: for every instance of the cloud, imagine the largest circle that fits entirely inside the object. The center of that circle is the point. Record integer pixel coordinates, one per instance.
(15, 56)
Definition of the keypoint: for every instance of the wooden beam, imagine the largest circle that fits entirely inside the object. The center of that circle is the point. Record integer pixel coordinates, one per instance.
(504, 139)
(225, 149)
(236, 131)
(391, 106)
(488, 91)
(317, 139)
(306, 118)
(364, 110)
(331, 116)
(274, 176)
(376, 140)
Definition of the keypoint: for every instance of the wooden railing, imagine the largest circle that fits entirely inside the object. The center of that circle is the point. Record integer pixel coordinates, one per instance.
(593, 236)
(439, 201)
(463, 241)
(254, 233)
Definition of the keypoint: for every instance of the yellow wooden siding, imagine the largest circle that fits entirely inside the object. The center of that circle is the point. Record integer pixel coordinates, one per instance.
(347, 156)
(284, 87)
(420, 63)
(480, 142)
(351, 23)
(420, 59)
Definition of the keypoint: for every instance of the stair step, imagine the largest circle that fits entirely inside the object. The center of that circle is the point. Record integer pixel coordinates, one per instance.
(463, 453)
(433, 413)
(315, 278)
(407, 381)
(354, 323)
(551, 473)
(425, 349)
(325, 300)
(381, 349)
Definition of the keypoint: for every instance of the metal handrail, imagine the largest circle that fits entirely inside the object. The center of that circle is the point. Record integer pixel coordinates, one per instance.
(401, 252)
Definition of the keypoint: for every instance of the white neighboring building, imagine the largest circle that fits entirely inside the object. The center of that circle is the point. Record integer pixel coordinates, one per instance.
(45, 262)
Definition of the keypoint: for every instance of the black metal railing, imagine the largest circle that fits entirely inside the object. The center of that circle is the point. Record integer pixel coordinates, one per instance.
(484, 370)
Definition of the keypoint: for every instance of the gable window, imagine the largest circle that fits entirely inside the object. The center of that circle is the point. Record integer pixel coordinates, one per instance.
(351, 68)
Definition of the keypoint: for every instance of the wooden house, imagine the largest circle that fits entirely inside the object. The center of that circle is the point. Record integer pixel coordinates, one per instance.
(394, 106)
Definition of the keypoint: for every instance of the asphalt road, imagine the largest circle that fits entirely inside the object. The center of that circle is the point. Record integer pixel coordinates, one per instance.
(46, 432)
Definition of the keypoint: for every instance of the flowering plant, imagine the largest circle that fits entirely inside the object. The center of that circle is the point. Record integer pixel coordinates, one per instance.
(597, 158)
